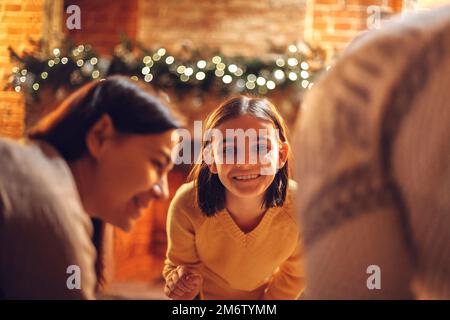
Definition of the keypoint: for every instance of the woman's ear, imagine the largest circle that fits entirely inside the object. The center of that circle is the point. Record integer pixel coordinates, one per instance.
(102, 131)
(283, 154)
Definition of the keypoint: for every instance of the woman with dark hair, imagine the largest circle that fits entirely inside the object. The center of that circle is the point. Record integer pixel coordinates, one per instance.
(103, 154)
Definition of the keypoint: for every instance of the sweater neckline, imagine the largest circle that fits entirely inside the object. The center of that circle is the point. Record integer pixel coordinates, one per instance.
(246, 237)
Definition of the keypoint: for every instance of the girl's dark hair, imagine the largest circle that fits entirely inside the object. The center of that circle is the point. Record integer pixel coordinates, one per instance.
(131, 106)
(210, 192)
(133, 109)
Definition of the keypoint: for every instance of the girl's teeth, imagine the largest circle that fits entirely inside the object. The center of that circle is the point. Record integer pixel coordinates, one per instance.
(247, 177)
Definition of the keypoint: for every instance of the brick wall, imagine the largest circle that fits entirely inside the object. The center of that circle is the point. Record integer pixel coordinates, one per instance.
(102, 22)
(20, 20)
(234, 26)
(334, 23)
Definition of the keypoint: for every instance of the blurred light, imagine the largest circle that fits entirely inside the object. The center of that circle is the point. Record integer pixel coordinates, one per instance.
(189, 72)
(184, 78)
(56, 52)
(35, 86)
(261, 81)
(232, 68)
(181, 69)
(270, 85)
(161, 52)
(251, 78)
(145, 70)
(146, 59)
(292, 48)
(148, 77)
(17, 88)
(239, 72)
(23, 79)
(220, 66)
(51, 63)
(44, 75)
(310, 85)
(292, 76)
(200, 75)
(135, 78)
(170, 60)
(227, 79)
(304, 74)
(201, 64)
(304, 65)
(240, 83)
(216, 59)
(219, 73)
(156, 57)
(64, 60)
(80, 63)
(250, 85)
(94, 61)
(279, 74)
(280, 62)
(292, 62)
(24, 72)
(95, 74)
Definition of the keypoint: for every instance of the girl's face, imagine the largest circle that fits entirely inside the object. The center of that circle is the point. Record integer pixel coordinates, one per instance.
(247, 153)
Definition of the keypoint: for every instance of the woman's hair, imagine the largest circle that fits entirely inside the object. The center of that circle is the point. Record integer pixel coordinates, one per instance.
(210, 192)
(133, 109)
(131, 106)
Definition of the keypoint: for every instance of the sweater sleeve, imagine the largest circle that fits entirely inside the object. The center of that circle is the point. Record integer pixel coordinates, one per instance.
(181, 248)
(288, 280)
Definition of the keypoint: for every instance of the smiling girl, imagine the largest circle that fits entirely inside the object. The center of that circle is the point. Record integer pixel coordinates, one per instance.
(232, 231)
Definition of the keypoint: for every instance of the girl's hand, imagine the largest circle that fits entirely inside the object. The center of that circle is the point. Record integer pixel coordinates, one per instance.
(184, 284)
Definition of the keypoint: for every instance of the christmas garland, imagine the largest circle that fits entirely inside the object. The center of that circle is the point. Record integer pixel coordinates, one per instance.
(72, 65)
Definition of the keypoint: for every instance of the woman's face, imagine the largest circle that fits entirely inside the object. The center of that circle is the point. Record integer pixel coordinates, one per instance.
(129, 172)
(247, 156)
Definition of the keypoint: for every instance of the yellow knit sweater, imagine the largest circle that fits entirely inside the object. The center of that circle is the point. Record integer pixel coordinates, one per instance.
(262, 264)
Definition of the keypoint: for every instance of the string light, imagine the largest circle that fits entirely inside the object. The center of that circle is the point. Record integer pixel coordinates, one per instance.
(292, 62)
(292, 76)
(145, 70)
(227, 79)
(279, 74)
(232, 68)
(200, 75)
(148, 77)
(161, 52)
(304, 74)
(170, 60)
(201, 64)
(270, 85)
(262, 79)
